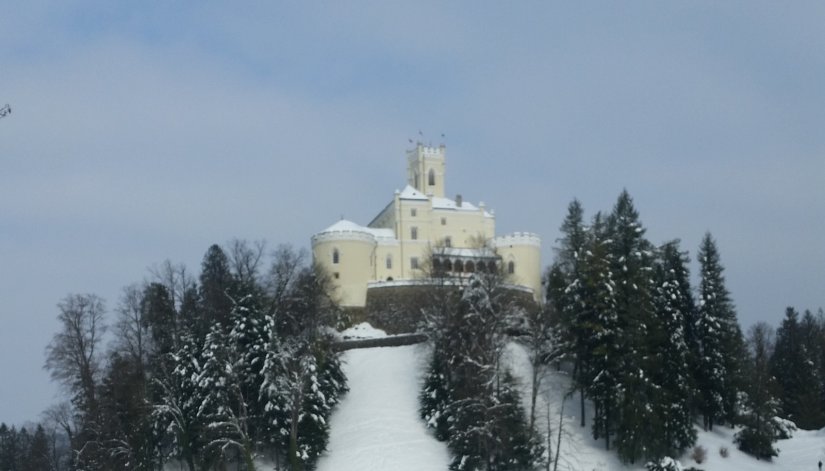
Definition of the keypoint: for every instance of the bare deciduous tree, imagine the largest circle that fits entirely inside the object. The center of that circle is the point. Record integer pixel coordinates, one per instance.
(72, 357)
(245, 259)
(132, 329)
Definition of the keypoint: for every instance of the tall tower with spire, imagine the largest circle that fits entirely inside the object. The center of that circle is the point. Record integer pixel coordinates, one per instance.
(426, 169)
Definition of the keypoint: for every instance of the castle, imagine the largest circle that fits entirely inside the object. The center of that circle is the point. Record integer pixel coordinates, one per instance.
(420, 232)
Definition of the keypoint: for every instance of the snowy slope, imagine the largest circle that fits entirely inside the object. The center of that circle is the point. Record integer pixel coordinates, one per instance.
(376, 427)
(581, 452)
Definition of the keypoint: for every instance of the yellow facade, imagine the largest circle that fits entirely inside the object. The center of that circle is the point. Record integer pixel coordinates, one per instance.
(397, 246)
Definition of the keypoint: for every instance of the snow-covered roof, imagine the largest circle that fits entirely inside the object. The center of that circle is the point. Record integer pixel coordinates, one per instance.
(447, 203)
(465, 252)
(348, 226)
(410, 193)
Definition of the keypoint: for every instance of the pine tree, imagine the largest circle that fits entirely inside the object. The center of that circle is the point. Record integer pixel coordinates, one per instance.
(223, 408)
(37, 458)
(812, 334)
(603, 331)
(673, 405)
(759, 431)
(248, 340)
(720, 337)
(568, 291)
(126, 425)
(640, 330)
(177, 402)
(216, 289)
(795, 370)
(468, 397)
(303, 379)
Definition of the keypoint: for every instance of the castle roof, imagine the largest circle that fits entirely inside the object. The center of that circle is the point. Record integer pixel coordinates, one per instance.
(410, 193)
(344, 226)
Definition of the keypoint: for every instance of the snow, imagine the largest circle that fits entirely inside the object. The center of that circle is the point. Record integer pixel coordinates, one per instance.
(345, 225)
(363, 331)
(376, 427)
(410, 193)
(581, 452)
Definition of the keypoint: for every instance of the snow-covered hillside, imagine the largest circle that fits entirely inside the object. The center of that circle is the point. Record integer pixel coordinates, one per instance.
(376, 427)
(580, 452)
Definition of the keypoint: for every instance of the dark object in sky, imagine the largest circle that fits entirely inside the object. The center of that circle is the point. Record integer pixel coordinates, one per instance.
(6, 110)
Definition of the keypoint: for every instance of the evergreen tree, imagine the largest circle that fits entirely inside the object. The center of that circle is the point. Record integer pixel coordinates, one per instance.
(216, 289)
(603, 331)
(248, 339)
(759, 431)
(126, 425)
(568, 290)
(178, 399)
(10, 449)
(720, 337)
(159, 317)
(794, 367)
(37, 458)
(223, 410)
(436, 396)
(672, 405)
(632, 258)
(485, 421)
(812, 341)
(302, 373)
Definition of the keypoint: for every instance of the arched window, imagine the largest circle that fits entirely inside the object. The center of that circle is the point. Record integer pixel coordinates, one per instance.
(469, 267)
(458, 267)
(431, 177)
(511, 267)
(436, 266)
(389, 262)
(447, 265)
(336, 257)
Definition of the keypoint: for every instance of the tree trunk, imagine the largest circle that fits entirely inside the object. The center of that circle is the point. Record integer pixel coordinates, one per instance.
(533, 394)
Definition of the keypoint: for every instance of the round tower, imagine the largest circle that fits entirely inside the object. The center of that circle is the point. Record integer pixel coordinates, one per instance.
(520, 254)
(346, 251)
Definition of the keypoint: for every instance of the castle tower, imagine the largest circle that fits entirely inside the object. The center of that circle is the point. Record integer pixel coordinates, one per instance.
(425, 169)
(520, 254)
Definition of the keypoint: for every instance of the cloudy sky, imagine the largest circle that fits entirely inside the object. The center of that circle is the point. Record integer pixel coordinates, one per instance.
(144, 132)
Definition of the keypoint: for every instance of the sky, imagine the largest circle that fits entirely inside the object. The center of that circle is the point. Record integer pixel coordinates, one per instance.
(147, 131)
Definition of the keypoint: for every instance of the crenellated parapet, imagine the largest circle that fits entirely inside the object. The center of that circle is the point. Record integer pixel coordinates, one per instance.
(517, 238)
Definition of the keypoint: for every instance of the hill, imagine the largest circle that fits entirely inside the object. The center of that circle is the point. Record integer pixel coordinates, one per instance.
(376, 427)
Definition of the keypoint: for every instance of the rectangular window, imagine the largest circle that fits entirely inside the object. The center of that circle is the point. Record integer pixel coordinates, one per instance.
(389, 263)
(443, 221)
(336, 275)
(413, 212)
(414, 263)
(448, 242)
(414, 233)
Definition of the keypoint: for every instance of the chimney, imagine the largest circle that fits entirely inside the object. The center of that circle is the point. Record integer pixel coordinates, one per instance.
(458, 200)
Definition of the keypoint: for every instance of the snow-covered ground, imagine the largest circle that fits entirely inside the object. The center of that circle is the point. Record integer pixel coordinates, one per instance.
(581, 452)
(376, 427)
(362, 331)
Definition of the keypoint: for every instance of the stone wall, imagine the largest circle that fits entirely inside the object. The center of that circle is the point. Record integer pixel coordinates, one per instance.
(399, 309)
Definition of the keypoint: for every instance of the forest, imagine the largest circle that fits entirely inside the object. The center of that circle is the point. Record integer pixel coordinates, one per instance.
(213, 370)
(205, 371)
